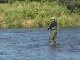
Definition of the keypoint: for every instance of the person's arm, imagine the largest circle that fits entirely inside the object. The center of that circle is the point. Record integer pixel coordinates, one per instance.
(50, 27)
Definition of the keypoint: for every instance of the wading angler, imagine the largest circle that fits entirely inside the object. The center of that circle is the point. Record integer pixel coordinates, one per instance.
(53, 29)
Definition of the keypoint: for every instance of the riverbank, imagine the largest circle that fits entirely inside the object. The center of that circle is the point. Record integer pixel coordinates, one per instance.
(35, 14)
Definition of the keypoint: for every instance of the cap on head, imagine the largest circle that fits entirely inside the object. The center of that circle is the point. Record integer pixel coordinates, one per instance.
(52, 18)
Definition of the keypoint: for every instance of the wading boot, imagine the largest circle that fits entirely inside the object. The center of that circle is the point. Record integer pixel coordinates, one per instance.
(50, 43)
(54, 43)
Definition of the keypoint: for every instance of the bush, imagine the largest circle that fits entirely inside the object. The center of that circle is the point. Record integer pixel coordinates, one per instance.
(14, 15)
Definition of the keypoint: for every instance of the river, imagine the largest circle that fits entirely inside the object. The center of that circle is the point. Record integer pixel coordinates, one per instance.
(33, 44)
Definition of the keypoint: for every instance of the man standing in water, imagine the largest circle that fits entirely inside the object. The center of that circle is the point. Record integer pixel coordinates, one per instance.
(53, 29)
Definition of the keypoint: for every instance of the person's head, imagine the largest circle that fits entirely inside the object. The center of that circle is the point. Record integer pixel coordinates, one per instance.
(52, 18)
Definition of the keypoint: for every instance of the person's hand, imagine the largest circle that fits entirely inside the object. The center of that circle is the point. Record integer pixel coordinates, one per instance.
(57, 28)
(48, 29)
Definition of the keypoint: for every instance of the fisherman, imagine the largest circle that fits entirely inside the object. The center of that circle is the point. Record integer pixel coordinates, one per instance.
(53, 29)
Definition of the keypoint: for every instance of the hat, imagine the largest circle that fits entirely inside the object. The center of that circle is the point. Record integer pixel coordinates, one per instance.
(52, 18)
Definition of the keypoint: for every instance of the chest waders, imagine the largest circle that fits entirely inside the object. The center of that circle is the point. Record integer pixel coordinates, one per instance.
(53, 36)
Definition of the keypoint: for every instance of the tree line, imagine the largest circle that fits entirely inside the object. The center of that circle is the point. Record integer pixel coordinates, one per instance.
(37, 13)
(72, 5)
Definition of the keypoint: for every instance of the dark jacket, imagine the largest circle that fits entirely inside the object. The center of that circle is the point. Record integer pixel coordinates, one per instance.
(53, 25)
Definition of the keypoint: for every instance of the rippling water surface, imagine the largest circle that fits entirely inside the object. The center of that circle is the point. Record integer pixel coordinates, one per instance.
(32, 44)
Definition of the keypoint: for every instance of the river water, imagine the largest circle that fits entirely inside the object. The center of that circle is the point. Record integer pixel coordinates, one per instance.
(33, 44)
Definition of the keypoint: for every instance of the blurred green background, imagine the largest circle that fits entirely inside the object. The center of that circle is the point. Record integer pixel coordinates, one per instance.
(37, 13)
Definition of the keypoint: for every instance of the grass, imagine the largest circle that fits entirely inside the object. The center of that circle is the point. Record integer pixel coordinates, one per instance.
(35, 14)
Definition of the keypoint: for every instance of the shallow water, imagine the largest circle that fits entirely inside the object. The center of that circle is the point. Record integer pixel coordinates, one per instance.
(33, 44)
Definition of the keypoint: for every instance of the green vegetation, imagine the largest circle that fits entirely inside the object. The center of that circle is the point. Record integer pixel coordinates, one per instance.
(24, 14)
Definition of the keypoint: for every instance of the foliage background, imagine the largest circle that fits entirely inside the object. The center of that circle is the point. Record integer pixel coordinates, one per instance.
(37, 13)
